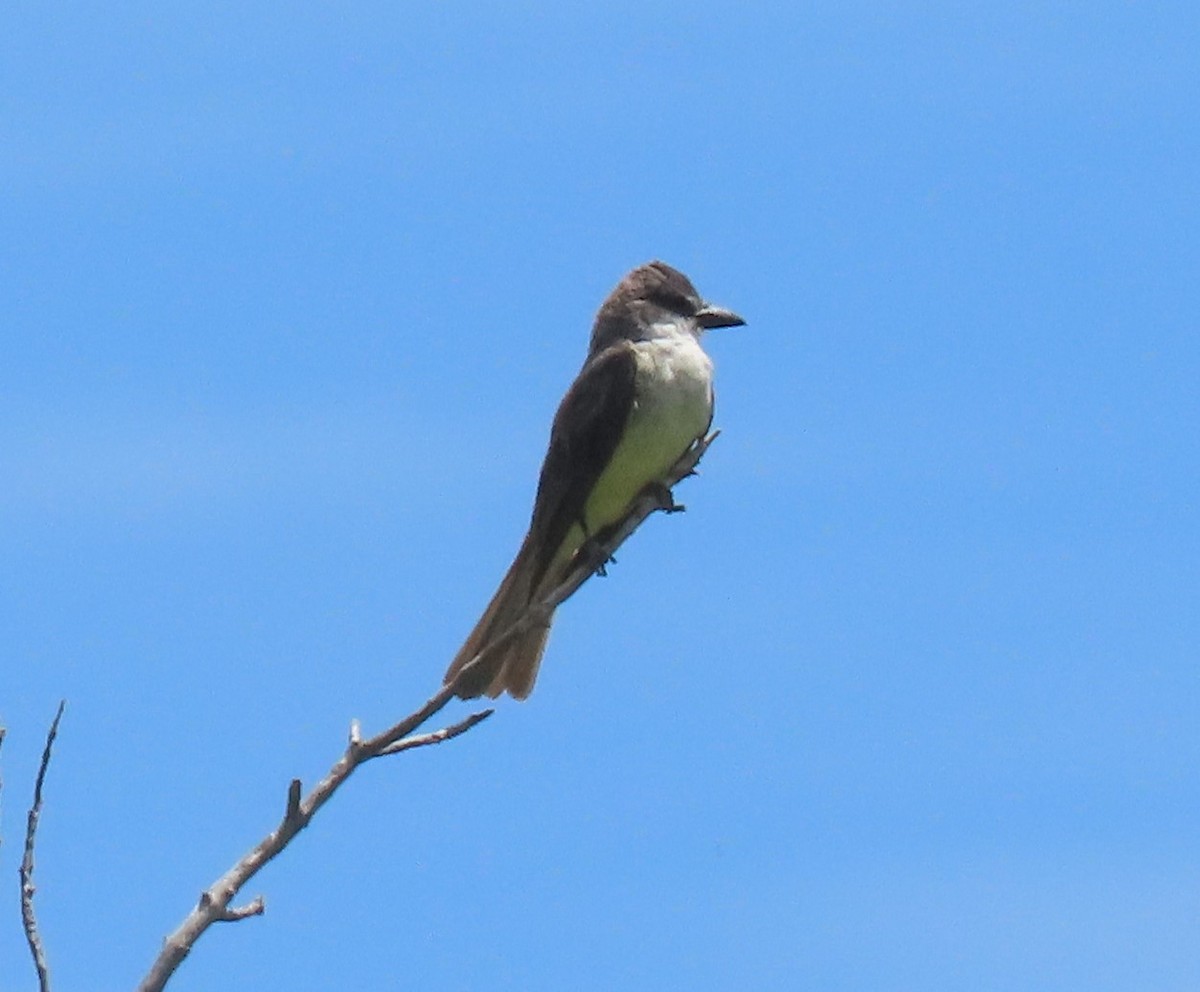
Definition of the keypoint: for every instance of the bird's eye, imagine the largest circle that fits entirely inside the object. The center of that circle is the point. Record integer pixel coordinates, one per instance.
(674, 301)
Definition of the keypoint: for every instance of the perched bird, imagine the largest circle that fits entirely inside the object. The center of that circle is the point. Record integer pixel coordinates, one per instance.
(642, 398)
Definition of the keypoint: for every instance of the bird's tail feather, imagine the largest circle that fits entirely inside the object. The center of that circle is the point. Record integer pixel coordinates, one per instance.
(519, 668)
(513, 667)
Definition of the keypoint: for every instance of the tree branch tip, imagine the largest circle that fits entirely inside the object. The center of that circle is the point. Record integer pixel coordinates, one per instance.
(256, 907)
(436, 736)
(293, 802)
(28, 889)
(355, 733)
(53, 732)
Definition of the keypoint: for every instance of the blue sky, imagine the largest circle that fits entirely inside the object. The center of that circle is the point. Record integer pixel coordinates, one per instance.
(907, 699)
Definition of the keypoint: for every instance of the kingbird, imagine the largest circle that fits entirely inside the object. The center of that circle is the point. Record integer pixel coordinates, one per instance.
(642, 398)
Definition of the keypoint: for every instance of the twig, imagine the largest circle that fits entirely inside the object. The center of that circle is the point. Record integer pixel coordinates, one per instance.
(214, 903)
(28, 918)
(2, 733)
(445, 734)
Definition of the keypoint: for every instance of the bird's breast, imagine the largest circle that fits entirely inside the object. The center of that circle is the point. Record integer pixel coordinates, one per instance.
(672, 406)
(672, 390)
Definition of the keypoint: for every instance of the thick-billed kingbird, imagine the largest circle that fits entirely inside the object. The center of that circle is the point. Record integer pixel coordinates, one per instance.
(642, 398)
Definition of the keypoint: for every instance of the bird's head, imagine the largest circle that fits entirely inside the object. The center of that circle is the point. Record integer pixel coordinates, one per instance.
(655, 293)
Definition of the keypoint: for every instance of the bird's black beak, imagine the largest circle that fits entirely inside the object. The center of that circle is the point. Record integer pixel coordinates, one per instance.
(709, 316)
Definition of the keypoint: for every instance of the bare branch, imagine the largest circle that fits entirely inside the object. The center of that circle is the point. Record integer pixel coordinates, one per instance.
(28, 917)
(445, 734)
(2, 733)
(214, 904)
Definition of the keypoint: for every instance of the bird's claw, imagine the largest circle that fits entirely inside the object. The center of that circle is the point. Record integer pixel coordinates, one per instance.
(664, 498)
(592, 552)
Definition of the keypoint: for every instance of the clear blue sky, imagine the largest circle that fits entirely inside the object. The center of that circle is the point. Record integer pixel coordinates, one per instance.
(909, 699)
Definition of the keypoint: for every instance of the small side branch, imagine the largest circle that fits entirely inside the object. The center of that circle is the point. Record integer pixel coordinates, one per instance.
(445, 734)
(28, 918)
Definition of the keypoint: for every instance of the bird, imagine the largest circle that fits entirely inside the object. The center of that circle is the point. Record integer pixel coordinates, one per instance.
(643, 397)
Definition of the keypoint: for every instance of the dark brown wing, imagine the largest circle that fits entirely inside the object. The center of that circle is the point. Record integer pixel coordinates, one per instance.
(586, 431)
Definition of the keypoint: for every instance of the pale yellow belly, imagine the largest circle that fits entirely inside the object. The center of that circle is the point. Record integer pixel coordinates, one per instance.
(674, 407)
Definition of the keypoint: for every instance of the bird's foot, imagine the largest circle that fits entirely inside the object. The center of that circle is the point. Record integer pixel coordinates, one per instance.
(664, 498)
(592, 552)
